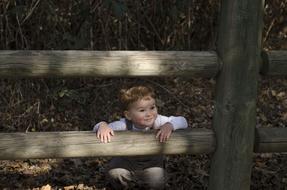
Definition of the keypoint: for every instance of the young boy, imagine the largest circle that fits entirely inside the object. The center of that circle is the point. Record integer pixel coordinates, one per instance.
(140, 114)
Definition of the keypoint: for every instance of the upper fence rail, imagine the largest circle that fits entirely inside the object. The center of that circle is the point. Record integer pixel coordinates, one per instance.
(107, 63)
(75, 63)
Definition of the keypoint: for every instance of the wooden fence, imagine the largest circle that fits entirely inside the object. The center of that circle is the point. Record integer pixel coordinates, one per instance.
(74, 144)
(236, 64)
(75, 63)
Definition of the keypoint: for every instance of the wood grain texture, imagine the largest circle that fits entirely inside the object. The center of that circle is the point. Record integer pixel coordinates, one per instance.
(74, 144)
(239, 48)
(274, 63)
(108, 63)
(85, 144)
(271, 140)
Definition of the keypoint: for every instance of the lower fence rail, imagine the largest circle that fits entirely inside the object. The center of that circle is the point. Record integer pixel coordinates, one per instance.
(75, 144)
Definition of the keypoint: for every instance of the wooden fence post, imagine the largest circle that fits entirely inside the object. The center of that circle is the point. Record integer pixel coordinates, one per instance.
(239, 47)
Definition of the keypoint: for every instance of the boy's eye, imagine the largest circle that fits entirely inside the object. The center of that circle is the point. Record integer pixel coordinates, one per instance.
(141, 110)
(153, 107)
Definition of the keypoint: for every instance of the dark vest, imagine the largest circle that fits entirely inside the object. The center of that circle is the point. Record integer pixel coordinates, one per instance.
(145, 161)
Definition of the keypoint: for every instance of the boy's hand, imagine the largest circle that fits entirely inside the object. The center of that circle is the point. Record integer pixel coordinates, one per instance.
(164, 132)
(105, 133)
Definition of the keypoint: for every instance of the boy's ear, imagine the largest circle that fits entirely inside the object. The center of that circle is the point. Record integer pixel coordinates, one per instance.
(127, 115)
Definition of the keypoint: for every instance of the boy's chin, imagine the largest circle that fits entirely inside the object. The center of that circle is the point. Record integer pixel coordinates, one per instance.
(144, 126)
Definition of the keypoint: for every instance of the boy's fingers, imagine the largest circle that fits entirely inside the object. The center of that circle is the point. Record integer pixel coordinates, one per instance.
(161, 138)
(158, 134)
(165, 138)
(105, 139)
(112, 132)
(168, 135)
(102, 138)
(109, 137)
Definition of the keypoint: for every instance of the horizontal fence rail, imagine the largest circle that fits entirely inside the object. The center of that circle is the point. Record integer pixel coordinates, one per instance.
(270, 140)
(85, 144)
(274, 63)
(124, 143)
(75, 63)
(72, 63)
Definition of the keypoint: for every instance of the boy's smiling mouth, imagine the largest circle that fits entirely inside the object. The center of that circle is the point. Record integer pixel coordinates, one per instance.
(149, 120)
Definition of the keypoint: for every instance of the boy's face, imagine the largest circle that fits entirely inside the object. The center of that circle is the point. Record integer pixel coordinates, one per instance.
(142, 112)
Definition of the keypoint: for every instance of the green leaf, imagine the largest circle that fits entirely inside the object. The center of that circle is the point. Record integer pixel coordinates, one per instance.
(62, 93)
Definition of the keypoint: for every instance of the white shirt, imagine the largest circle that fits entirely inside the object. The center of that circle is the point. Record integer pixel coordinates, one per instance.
(178, 122)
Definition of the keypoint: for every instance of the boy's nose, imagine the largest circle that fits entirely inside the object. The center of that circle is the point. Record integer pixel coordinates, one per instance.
(148, 113)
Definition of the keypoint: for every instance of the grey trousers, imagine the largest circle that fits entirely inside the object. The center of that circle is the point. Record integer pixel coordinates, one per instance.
(143, 172)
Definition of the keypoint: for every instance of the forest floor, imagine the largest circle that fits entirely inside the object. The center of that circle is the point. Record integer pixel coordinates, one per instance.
(30, 105)
(84, 105)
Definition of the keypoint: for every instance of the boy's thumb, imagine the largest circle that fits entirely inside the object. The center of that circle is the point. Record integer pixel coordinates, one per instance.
(112, 132)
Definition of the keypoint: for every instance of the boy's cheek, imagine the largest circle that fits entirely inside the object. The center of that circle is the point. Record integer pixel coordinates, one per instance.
(139, 120)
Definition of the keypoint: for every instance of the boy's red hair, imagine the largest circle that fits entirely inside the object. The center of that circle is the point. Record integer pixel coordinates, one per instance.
(133, 94)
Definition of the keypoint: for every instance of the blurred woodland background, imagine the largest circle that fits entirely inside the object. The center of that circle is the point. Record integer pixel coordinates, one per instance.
(64, 104)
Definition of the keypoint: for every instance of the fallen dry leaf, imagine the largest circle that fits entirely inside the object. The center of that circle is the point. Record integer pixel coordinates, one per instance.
(46, 187)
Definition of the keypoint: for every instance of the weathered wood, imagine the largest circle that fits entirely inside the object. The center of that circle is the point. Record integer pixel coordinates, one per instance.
(107, 63)
(274, 63)
(271, 140)
(239, 47)
(85, 144)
